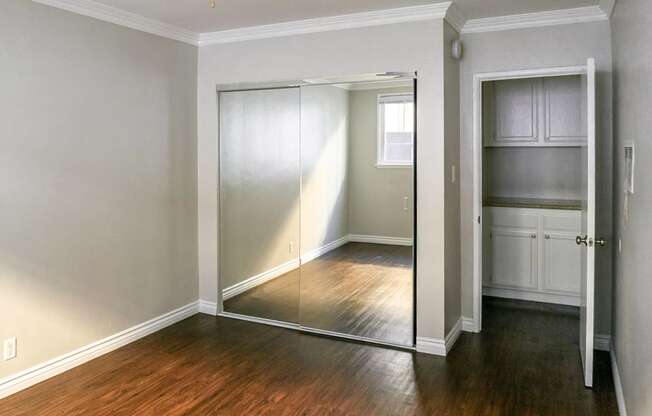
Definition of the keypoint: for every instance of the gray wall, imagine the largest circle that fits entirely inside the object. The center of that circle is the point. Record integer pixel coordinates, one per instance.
(97, 179)
(416, 46)
(451, 80)
(543, 47)
(376, 194)
(324, 163)
(632, 31)
(532, 172)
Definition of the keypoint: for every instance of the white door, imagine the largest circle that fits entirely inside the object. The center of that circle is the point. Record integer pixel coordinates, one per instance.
(587, 237)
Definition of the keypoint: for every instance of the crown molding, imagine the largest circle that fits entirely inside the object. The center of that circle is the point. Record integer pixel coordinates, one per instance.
(455, 17)
(123, 18)
(607, 7)
(528, 20)
(324, 24)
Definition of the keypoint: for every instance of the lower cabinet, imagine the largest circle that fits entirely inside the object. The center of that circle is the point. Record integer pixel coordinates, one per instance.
(531, 254)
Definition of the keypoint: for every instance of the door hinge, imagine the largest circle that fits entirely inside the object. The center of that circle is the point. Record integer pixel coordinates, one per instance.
(478, 219)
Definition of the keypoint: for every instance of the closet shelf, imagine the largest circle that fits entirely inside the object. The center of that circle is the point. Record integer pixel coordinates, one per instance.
(565, 204)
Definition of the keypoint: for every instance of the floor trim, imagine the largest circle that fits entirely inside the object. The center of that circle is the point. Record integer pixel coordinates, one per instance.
(207, 307)
(431, 346)
(320, 251)
(453, 335)
(379, 239)
(618, 385)
(468, 324)
(58, 365)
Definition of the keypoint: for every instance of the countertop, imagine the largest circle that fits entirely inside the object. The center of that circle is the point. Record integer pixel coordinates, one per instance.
(567, 204)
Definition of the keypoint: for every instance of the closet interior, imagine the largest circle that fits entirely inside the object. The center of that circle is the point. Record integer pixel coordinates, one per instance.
(533, 133)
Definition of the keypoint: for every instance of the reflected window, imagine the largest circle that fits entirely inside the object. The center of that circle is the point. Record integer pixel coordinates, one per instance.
(395, 130)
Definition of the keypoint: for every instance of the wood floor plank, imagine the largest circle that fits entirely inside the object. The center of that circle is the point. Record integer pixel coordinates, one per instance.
(525, 362)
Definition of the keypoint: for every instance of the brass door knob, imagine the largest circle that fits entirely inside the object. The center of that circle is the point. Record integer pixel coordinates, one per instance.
(579, 240)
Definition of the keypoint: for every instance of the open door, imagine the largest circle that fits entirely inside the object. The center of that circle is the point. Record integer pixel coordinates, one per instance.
(587, 239)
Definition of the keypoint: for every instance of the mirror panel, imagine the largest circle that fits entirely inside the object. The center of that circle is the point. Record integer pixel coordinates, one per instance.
(260, 202)
(357, 210)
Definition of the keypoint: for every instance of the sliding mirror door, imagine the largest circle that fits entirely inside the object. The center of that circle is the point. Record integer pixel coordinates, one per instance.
(357, 210)
(260, 202)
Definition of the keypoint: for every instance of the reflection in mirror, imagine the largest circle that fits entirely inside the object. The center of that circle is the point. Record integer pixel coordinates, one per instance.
(357, 209)
(317, 206)
(260, 202)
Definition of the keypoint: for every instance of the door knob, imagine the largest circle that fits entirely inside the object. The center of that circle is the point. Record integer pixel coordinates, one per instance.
(579, 240)
(600, 242)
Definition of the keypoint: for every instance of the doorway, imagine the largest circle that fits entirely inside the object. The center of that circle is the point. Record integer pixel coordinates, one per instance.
(534, 193)
(317, 206)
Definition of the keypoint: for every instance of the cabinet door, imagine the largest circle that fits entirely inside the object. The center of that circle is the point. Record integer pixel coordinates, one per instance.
(514, 257)
(561, 263)
(513, 112)
(565, 115)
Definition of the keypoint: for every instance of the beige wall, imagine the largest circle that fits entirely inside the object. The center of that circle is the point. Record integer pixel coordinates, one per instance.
(400, 47)
(324, 162)
(376, 194)
(451, 80)
(632, 31)
(543, 47)
(98, 179)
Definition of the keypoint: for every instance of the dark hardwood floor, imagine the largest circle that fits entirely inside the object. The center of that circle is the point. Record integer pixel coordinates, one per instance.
(525, 362)
(359, 289)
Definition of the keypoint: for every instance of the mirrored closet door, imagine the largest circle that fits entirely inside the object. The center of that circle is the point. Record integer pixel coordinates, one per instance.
(317, 206)
(260, 203)
(357, 209)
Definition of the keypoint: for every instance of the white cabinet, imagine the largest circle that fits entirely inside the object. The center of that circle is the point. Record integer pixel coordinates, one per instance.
(534, 112)
(531, 254)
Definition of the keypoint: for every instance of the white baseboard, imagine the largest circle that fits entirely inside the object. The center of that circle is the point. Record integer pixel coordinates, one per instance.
(531, 296)
(320, 251)
(58, 365)
(454, 335)
(468, 324)
(259, 279)
(602, 342)
(618, 385)
(209, 308)
(377, 239)
(431, 346)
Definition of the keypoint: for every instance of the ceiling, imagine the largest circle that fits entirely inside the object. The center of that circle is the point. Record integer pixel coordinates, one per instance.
(197, 16)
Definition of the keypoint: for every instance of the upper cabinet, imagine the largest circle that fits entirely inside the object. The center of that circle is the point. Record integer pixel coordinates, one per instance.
(534, 112)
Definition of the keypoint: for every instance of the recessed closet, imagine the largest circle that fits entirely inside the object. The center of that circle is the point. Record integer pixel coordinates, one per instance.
(533, 133)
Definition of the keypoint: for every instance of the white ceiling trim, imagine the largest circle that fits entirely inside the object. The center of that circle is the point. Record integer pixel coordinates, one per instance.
(608, 7)
(323, 24)
(455, 17)
(123, 18)
(528, 20)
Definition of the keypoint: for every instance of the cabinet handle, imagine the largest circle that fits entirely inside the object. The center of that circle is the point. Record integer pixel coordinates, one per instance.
(547, 236)
(533, 236)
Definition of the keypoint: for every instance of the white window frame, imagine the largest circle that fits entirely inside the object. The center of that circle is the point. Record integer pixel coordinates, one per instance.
(380, 140)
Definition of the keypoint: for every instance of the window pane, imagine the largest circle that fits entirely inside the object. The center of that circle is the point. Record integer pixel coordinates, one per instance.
(398, 147)
(397, 129)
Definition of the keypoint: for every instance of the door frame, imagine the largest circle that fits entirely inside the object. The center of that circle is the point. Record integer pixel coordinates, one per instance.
(478, 149)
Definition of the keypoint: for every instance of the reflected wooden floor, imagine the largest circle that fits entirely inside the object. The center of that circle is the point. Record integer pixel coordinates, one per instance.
(524, 363)
(359, 289)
